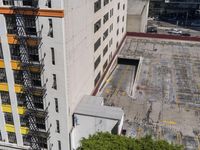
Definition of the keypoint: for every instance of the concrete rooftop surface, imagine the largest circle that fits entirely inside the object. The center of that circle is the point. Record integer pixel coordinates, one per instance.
(160, 96)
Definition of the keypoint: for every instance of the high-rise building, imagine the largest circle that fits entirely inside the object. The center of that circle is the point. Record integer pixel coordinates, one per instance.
(52, 52)
(173, 7)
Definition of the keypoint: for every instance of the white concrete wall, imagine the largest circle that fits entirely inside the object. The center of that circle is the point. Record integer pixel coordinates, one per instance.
(134, 23)
(88, 125)
(138, 22)
(144, 17)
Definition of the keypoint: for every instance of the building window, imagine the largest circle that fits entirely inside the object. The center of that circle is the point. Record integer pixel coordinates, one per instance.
(57, 126)
(105, 34)
(117, 31)
(105, 50)
(3, 77)
(123, 6)
(105, 18)
(40, 123)
(8, 118)
(1, 52)
(117, 45)
(97, 5)
(97, 25)
(0, 136)
(59, 145)
(97, 78)
(50, 33)
(12, 137)
(118, 19)
(53, 56)
(123, 30)
(36, 79)
(54, 82)
(118, 6)
(10, 24)
(5, 98)
(105, 65)
(110, 42)
(97, 44)
(8, 2)
(111, 27)
(111, 12)
(123, 19)
(106, 2)
(48, 3)
(110, 56)
(98, 60)
(56, 105)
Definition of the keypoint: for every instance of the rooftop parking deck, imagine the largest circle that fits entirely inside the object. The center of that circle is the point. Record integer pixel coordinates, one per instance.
(161, 94)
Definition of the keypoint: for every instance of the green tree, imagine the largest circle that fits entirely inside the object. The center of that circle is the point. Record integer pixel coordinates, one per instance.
(107, 141)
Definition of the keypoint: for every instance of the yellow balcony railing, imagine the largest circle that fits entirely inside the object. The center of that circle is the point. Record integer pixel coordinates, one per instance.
(16, 65)
(2, 65)
(24, 130)
(11, 128)
(8, 109)
(4, 87)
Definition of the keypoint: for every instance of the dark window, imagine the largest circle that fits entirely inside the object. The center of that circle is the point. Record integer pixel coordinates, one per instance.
(5, 98)
(12, 137)
(8, 2)
(105, 50)
(1, 52)
(105, 17)
(97, 44)
(54, 82)
(97, 25)
(97, 78)
(118, 6)
(98, 60)
(50, 33)
(106, 2)
(105, 65)
(48, 3)
(18, 76)
(110, 42)
(36, 79)
(10, 24)
(56, 105)
(40, 122)
(105, 34)
(97, 5)
(3, 77)
(8, 118)
(123, 30)
(118, 19)
(59, 145)
(0, 136)
(38, 102)
(57, 126)
(53, 55)
(111, 12)
(123, 6)
(111, 27)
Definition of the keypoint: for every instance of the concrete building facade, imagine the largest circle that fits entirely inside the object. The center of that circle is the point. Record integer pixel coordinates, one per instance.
(137, 15)
(52, 53)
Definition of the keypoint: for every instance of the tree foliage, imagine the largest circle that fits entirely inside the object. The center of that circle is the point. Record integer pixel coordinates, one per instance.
(107, 141)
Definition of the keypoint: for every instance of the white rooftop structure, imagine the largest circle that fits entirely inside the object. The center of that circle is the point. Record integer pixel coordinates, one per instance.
(93, 106)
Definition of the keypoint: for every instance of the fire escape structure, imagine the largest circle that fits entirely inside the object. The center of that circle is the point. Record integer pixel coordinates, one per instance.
(23, 36)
